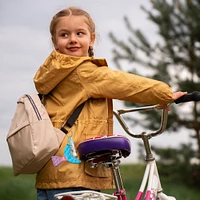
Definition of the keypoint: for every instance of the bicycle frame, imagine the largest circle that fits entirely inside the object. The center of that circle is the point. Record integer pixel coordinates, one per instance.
(154, 188)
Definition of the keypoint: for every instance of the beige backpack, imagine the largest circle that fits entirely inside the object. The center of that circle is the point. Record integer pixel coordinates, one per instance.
(32, 139)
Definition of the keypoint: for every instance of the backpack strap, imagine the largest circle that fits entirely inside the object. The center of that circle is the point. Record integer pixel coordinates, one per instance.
(72, 118)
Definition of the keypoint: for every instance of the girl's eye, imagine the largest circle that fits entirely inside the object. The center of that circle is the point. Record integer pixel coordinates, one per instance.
(64, 34)
(80, 33)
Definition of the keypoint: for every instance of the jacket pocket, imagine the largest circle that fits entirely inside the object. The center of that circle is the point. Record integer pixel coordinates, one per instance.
(100, 171)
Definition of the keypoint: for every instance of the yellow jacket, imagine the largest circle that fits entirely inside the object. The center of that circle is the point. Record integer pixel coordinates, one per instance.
(70, 81)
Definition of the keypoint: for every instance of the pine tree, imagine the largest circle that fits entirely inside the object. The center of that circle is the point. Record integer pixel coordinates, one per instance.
(174, 59)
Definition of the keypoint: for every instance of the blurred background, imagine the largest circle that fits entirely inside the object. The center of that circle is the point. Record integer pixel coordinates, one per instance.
(26, 43)
(159, 39)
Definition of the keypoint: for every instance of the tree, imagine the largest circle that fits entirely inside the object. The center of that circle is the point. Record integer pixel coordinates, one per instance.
(174, 58)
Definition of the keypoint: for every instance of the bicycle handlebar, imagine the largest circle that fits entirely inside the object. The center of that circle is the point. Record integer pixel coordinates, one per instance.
(194, 96)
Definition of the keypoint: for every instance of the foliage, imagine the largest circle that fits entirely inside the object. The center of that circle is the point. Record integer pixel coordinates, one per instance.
(174, 58)
(22, 187)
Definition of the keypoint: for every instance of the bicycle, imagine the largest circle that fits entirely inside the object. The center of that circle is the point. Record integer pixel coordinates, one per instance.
(108, 150)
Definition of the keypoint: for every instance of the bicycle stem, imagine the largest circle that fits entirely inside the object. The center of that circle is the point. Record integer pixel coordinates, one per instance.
(149, 155)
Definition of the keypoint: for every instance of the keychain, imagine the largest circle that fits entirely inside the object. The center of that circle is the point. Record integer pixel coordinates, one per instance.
(72, 147)
(69, 154)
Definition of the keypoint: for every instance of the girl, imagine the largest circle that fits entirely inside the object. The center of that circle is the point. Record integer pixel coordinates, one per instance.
(71, 76)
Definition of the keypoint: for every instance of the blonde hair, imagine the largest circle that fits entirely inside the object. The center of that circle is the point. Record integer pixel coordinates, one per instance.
(76, 12)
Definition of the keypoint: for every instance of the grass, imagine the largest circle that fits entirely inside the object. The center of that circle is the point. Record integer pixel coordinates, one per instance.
(22, 187)
(16, 188)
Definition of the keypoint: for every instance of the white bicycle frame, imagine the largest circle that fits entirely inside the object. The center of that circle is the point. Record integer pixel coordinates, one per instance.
(150, 181)
(154, 189)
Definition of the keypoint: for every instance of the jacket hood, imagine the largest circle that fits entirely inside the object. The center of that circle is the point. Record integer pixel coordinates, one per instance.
(56, 67)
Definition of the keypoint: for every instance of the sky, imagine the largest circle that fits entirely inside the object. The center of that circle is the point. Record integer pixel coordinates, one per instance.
(25, 44)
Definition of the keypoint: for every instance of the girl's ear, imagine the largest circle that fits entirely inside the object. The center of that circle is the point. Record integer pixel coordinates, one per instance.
(54, 43)
(93, 37)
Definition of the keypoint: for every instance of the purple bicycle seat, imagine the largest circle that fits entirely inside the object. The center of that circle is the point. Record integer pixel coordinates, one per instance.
(104, 145)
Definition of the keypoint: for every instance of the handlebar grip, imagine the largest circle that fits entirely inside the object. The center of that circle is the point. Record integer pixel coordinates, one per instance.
(194, 96)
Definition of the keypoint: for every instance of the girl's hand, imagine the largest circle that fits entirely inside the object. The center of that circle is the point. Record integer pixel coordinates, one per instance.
(175, 96)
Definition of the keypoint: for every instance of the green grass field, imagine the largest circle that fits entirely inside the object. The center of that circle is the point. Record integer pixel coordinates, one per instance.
(22, 187)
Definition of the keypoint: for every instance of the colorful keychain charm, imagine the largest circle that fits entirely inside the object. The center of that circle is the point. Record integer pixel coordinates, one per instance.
(69, 154)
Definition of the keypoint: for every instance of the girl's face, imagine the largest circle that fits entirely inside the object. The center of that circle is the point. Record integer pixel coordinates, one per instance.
(72, 36)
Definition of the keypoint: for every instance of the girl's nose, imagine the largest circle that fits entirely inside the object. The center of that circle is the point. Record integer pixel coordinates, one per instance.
(73, 38)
